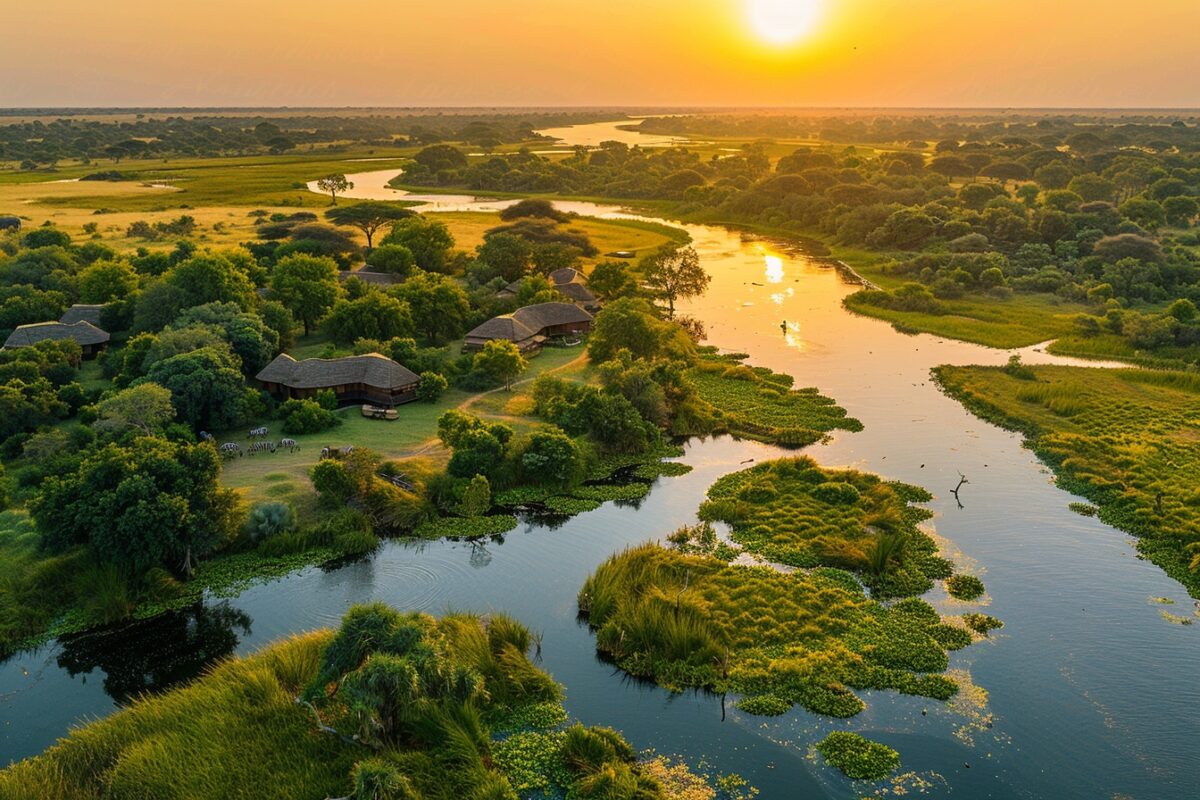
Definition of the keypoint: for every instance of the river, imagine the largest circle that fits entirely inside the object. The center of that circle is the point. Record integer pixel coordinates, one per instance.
(1086, 693)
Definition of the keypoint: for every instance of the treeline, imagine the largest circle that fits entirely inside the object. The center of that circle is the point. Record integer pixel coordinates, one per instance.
(36, 144)
(1093, 211)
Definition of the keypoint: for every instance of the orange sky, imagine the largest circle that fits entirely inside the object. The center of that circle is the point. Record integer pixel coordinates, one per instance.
(1027, 53)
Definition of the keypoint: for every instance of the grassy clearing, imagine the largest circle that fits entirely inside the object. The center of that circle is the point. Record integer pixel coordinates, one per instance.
(1125, 439)
(1018, 321)
(687, 617)
(240, 730)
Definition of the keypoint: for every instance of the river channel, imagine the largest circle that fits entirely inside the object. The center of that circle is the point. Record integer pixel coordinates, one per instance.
(1086, 693)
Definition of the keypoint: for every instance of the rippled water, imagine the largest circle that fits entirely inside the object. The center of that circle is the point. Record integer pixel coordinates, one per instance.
(1086, 693)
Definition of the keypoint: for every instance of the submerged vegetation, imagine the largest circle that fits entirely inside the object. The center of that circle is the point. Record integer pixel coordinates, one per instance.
(1124, 439)
(391, 705)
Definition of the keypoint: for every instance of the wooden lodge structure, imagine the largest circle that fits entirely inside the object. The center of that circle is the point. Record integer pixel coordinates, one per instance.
(370, 378)
(568, 282)
(82, 312)
(531, 327)
(90, 338)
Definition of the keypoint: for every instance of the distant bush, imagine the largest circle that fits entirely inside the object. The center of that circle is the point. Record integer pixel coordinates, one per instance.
(306, 416)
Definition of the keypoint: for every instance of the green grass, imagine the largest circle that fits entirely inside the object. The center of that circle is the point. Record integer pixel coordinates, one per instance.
(1018, 321)
(790, 511)
(756, 403)
(1127, 440)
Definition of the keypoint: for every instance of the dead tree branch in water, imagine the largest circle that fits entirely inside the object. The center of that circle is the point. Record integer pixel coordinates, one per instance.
(961, 480)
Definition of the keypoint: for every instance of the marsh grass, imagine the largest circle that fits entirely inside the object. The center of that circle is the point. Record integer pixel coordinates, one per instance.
(1127, 440)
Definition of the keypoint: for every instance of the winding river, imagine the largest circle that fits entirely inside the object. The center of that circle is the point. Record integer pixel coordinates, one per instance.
(1086, 693)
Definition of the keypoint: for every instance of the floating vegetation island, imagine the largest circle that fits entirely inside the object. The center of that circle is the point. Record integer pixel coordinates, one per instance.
(684, 617)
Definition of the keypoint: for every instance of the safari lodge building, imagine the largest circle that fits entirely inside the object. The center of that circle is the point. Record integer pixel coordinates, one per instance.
(370, 378)
(531, 327)
(90, 338)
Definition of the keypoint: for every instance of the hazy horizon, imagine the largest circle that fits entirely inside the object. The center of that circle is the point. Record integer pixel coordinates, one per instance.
(920, 54)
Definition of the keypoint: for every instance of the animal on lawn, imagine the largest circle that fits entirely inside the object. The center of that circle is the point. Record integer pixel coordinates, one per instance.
(291, 444)
(262, 447)
(257, 433)
(230, 449)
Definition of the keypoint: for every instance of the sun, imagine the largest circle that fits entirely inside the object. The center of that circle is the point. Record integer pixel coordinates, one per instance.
(782, 22)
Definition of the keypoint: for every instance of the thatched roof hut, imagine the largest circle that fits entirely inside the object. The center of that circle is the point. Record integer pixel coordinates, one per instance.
(82, 312)
(372, 378)
(89, 337)
(531, 326)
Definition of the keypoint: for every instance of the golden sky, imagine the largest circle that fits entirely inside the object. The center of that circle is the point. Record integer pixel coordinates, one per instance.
(929, 53)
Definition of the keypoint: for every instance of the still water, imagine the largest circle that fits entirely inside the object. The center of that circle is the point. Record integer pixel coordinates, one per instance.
(1086, 693)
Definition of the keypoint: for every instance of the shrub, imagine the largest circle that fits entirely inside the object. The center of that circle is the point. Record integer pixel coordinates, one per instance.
(964, 587)
(267, 520)
(306, 416)
(431, 387)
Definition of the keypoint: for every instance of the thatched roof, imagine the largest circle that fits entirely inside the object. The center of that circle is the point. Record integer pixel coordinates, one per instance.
(82, 312)
(565, 275)
(577, 292)
(83, 332)
(373, 278)
(529, 321)
(373, 370)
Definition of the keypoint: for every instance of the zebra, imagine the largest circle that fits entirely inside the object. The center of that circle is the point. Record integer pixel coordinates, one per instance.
(257, 433)
(290, 444)
(230, 449)
(261, 447)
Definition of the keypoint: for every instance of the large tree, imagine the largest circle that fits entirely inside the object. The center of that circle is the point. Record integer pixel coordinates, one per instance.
(151, 503)
(501, 360)
(429, 241)
(206, 387)
(145, 407)
(438, 305)
(334, 184)
(675, 273)
(308, 286)
(375, 315)
(368, 217)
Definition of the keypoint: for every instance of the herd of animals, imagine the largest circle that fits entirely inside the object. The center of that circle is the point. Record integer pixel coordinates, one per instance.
(259, 443)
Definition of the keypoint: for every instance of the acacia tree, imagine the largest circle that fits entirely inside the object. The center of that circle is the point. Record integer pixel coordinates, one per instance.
(368, 217)
(334, 184)
(674, 273)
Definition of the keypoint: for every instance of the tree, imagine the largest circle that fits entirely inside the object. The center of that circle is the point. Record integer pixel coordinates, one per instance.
(375, 315)
(630, 324)
(610, 280)
(501, 360)
(439, 306)
(247, 334)
(1127, 245)
(104, 281)
(1093, 187)
(206, 387)
(533, 207)
(551, 458)
(334, 184)
(506, 255)
(1180, 211)
(395, 259)
(476, 497)
(308, 286)
(151, 503)
(210, 278)
(429, 241)
(368, 217)
(431, 387)
(675, 273)
(306, 416)
(146, 407)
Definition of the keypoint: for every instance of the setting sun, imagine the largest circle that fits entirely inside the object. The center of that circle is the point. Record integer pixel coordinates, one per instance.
(782, 21)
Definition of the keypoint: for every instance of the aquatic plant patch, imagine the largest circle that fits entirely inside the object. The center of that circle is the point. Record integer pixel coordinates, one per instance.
(791, 511)
(466, 527)
(757, 403)
(858, 757)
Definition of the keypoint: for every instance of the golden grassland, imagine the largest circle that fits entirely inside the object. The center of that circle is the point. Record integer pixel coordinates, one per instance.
(1127, 439)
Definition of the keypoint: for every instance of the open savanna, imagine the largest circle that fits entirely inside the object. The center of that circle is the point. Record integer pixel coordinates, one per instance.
(1126, 439)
